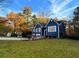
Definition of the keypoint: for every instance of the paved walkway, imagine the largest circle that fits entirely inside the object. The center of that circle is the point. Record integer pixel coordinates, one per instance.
(11, 38)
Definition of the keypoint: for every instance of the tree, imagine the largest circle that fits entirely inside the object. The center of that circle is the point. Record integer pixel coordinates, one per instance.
(17, 19)
(44, 14)
(27, 11)
(34, 20)
(76, 19)
(76, 11)
(43, 20)
(11, 16)
(43, 17)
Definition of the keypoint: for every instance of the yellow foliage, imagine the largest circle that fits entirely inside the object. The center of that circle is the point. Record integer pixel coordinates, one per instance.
(43, 20)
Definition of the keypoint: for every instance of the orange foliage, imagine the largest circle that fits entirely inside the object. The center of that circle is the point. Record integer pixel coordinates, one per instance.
(11, 16)
(20, 20)
(25, 28)
(16, 18)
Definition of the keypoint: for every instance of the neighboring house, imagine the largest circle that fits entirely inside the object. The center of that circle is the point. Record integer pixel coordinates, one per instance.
(39, 30)
(7, 26)
(55, 29)
(3, 29)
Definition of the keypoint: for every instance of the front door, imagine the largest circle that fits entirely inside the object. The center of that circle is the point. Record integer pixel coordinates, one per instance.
(45, 33)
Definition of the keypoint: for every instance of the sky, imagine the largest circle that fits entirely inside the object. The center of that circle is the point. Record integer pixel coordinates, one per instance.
(58, 8)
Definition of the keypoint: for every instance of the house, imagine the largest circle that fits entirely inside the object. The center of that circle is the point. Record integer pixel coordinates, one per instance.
(52, 29)
(6, 27)
(55, 29)
(39, 30)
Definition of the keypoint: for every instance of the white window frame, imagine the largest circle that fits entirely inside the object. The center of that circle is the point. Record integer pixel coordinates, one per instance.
(53, 28)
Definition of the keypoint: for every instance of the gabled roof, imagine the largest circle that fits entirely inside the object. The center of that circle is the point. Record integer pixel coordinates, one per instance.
(51, 20)
(3, 20)
(41, 24)
(57, 22)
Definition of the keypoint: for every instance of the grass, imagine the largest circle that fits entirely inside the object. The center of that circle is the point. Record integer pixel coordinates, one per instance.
(48, 48)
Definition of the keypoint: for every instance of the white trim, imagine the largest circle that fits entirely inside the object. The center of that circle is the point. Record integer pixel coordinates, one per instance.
(54, 21)
(57, 24)
(40, 27)
(48, 23)
(52, 28)
(37, 24)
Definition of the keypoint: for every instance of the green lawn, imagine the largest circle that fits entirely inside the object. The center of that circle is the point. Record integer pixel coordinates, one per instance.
(40, 48)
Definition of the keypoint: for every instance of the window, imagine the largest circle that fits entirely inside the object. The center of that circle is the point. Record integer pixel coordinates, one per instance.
(52, 29)
(38, 30)
(33, 30)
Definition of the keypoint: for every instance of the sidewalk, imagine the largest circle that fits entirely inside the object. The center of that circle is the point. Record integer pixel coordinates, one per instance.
(12, 38)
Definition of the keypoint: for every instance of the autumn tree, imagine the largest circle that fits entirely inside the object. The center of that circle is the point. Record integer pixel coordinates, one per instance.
(11, 16)
(43, 16)
(34, 19)
(27, 11)
(17, 19)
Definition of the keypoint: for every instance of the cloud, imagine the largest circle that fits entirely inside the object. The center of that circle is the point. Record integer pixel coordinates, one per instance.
(34, 13)
(4, 12)
(57, 7)
(63, 4)
(54, 6)
(70, 9)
